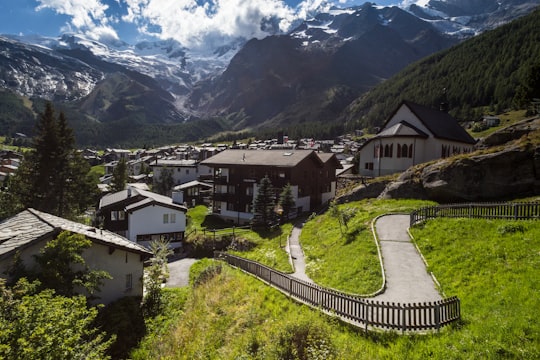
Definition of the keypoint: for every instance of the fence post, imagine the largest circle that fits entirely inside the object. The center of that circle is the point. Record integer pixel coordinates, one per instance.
(402, 309)
(437, 316)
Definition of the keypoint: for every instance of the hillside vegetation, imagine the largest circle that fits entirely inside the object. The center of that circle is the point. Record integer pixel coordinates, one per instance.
(490, 264)
(492, 72)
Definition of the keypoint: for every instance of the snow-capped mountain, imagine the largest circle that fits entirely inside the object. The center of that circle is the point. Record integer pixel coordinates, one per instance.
(311, 72)
(466, 18)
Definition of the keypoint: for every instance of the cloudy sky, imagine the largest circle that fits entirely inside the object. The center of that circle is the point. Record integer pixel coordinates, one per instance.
(192, 22)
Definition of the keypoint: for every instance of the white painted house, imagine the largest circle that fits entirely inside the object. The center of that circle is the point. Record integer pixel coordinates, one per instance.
(183, 171)
(28, 232)
(144, 216)
(412, 135)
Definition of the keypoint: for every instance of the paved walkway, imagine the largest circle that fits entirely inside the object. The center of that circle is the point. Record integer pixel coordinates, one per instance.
(179, 272)
(297, 254)
(407, 280)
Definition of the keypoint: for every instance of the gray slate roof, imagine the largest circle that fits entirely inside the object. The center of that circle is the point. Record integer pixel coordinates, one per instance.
(278, 158)
(31, 225)
(441, 124)
(119, 196)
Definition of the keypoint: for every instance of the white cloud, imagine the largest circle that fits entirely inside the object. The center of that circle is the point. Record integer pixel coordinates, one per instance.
(194, 23)
(87, 16)
(197, 24)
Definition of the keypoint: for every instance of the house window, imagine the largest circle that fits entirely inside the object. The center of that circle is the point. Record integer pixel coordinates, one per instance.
(388, 150)
(410, 150)
(369, 166)
(172, 218)
(231, 189)
(118, 215)
(249, 191)
(129, 282)
(398, 153)
(404, 150)
(165, 218)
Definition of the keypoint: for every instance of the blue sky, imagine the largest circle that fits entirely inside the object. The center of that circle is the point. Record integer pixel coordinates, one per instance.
(192, 22)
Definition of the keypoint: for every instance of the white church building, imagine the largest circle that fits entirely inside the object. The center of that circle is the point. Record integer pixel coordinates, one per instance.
(412, 135)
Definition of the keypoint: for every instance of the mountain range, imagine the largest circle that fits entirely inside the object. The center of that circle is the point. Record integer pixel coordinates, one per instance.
(158, 92)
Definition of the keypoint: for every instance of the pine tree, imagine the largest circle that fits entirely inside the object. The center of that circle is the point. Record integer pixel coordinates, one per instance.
(264, 203)
(165, 182)
(286, 201)
(119, 176)
(53, 176)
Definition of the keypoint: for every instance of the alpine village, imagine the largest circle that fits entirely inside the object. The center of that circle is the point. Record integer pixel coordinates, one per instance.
(365, 185)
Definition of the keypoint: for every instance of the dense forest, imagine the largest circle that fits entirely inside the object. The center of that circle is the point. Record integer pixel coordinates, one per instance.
(492, 72)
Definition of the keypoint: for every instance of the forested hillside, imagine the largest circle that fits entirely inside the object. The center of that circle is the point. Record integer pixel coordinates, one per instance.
(491, 72)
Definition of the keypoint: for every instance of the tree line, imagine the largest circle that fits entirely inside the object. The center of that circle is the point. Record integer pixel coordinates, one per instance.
(492, 72)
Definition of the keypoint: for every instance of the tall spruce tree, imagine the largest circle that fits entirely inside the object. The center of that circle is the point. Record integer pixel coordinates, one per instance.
(53, 176)
(286, 201)
(263, 210)
(119, 176)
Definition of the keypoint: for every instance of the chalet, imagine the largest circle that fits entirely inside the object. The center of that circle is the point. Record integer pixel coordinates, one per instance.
(182, 170)
(28, 231)
(194, 192)
(412, 135)
(143, 216)
(237, 173)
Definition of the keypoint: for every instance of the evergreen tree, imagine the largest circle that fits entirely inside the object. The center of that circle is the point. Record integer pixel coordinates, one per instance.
(264, 203)
(286, 201)
(165, 182)
(53, 176)
(119, 176)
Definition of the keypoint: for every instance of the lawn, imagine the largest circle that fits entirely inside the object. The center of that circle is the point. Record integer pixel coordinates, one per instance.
(343, 255)
(492, 266)
(264, 246)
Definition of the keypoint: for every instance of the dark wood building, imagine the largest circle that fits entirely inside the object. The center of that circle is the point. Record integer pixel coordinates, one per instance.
(237, 174)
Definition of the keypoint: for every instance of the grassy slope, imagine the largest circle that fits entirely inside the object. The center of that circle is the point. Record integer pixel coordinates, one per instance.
(345, 257)
(491, 265)
(266, 247)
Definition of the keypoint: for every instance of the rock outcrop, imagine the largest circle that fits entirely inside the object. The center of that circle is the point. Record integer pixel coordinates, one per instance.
(509, 173)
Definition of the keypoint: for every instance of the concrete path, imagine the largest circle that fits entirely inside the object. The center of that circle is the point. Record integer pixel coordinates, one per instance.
(179, 272)
(407, 280)
(297, 254)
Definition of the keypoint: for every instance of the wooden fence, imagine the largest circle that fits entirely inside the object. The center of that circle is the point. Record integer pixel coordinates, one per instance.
(512, 211)
(358, 311)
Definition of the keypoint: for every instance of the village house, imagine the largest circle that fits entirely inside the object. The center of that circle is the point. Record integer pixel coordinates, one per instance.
(194, 192)
(237, 173)
(143, 216)
(182, 170)
(28, 232)
(412, 135)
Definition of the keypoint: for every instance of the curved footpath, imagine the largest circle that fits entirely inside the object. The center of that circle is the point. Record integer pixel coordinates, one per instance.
(407, 279)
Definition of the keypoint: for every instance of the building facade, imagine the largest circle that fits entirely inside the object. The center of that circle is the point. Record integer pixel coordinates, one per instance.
(237, 174)
(28, 232)
(412, 135)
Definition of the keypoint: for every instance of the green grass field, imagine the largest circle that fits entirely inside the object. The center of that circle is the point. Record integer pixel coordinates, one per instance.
(492, 266)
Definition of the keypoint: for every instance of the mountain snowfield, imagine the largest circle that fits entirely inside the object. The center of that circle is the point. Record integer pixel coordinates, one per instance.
(178, 68)
(116, 92)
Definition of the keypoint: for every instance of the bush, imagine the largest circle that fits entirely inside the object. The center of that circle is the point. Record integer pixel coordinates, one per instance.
(123, 319)
(305, 341)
